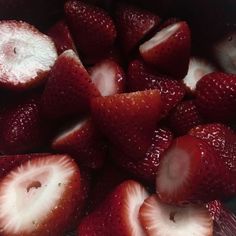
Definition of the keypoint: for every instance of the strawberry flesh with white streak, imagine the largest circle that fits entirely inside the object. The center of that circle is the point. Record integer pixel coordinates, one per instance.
(27, 55)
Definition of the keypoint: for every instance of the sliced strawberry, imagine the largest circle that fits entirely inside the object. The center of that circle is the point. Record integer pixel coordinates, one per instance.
(93, 29)
(169, 50)
(118, 214)
(168, 22)
(27, 55)
(222, 139)
(133, 24)
(69, 88)
(22, 128)
(224, 52)
(224, 220)
(216, 96)
(184, 117)
(146, 168)
(61, 36)
(188, 169)
(128, 120)
(196, 70)
(108, 77)
(140, 77)
(83, 143)
(160, 219)
(42, 196)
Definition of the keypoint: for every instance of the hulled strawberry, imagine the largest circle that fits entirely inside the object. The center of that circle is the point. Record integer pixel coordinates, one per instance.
(160, 219)
(22, 128)
(184, 117)
(140, 77)
(190, 170)
(146, 168)
(197, 68)
(169, 49)
(118, 214)
(27, 55)
(61, 36)
(93, 29)
(83, 143)
(216, 96)
(109, 77)
(69, 88)
(133, 24)
(42, 196)
(128, 120)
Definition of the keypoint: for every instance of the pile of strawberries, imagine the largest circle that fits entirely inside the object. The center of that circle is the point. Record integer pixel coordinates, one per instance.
(112, 124)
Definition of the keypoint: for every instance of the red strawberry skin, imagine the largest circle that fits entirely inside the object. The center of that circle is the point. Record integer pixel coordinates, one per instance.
(133, 24)
(69, 88)
(61, 36)
(22, 128)
(184, 117)
(93, 29)
(146, 168)
(85, 145)
(216, 96)
(172, 55)
(128, 120)
(140, 77)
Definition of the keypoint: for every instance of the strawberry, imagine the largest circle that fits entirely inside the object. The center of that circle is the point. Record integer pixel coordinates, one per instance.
(27, 55)
(61, 36)
(48, 197)
(188, 169)
(118, 214)
(224, 220)
(197, 68)
(69, 88)
(128, 120)
(216, 96)
(93, 29)
(168, 22)
(222, 139)
(159, 219)
(83, 143)
(184, 117)
(146, 168)
(22, 128)
(224, 52)
(108, 77)
(133, 24)
(169, 50)
(140, 77)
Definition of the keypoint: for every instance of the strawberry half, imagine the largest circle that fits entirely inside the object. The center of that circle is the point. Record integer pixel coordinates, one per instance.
(140, 77)
(69, 88)
(61, 36)
(184, 117)
(83, 143)
(160, 219)
(22, 128)
(216, 96)
(118, 214)
(169, 50)
(133, 24)
(146, 168)
(188, 169)
(108, 77)
(27, 55)
(196, 70)
(128, 120)
(40, 197)
(93, 29)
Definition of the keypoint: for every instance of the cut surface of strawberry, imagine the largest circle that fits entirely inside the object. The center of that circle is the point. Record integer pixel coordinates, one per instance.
(40, 196)
(159, 219)
(108, 77)
(27, 55)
